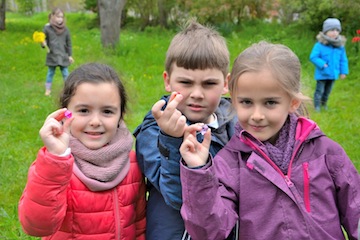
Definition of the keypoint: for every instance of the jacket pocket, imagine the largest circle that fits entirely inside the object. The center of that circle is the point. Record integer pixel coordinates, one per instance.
(306, 186)
(326, 71)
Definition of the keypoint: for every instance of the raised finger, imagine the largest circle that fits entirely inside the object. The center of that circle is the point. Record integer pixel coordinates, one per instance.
(156, 109)
(174, 101)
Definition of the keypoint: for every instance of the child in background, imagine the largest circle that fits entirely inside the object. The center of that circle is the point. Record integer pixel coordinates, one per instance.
(196, 73)
(59, 44)
(330, 60)
(85, 182)
(280, 176)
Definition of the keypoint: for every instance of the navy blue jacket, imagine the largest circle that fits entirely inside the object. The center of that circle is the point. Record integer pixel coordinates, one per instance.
(158, 156)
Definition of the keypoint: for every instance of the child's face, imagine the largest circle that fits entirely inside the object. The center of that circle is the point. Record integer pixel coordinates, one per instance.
(262, 106)
(59, 17)
(96, 111)
(201, 89)
(333, 33)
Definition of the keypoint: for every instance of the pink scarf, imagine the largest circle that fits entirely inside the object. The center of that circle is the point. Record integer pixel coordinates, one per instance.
(108, 165)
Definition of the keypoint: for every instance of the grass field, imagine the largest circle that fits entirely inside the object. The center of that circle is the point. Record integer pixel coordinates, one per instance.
(139, 60)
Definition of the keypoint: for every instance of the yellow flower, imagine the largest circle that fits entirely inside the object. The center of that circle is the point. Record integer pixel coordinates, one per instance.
(39, 37)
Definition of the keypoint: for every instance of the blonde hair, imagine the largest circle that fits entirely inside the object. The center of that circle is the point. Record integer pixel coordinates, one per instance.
(280, 60)
(198, 47)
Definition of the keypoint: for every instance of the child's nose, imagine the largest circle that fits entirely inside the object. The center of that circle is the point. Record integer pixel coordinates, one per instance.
(257, 114)
(95, 120)
(197, 92)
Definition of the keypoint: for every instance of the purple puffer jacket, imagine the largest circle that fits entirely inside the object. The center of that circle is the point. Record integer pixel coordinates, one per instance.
(319, 194)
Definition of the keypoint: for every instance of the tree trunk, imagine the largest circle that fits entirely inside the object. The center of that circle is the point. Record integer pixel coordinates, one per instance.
(2, 15)
(44, 5)
(110, 21)
(162, 13)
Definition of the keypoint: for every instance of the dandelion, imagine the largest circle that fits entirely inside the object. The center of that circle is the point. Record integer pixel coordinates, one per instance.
(39, 37)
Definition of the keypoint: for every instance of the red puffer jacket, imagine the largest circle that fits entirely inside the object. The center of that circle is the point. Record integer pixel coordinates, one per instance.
(55, 205)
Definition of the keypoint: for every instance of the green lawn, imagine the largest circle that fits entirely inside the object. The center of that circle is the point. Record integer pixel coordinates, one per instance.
(140, 62)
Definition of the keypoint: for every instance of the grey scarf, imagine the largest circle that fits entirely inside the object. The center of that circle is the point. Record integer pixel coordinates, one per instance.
(337, 42)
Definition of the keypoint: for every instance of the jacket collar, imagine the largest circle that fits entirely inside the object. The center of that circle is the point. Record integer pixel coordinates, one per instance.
(306, 129)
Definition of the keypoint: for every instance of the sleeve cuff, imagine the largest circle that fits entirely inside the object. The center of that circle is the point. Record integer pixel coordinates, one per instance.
(66, 153)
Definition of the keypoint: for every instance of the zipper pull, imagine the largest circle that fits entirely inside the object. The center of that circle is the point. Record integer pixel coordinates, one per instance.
(288, 181)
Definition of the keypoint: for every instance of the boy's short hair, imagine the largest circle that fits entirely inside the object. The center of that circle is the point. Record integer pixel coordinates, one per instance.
(198, 47)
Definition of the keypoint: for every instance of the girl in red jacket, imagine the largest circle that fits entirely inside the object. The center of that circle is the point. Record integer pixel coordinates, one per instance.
(85, 182)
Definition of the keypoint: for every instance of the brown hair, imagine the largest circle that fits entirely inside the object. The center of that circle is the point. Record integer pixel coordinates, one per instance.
(198, 47)
(55, 11)
(94, 73)
(280, 60)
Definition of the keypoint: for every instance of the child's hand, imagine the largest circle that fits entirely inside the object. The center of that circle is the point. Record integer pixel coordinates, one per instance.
(171, 121)
(342, 76)
(194, 153)
(71, 60)
(55, 133)
(44, 45)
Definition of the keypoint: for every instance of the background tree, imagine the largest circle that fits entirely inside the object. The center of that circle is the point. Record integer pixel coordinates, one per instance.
(26, 7)
(110, 21)
(2, 15)
(312, 13)
(91, 5)
(163, 9)
(144, 10)
(288, 10)
(227, 15)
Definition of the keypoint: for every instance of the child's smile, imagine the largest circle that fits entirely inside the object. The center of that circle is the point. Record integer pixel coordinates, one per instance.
(96, 111)
(261, 104)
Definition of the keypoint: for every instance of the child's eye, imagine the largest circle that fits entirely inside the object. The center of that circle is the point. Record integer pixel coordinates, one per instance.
(83, 110)
(185, 82)
(245, 102)
(271, 103)
(108, 112)
(210, 84)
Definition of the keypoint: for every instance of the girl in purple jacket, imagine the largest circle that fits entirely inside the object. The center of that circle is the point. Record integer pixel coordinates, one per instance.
(280, 176)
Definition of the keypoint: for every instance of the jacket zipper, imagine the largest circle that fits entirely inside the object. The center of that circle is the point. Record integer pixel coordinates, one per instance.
(306, 186)
(287, 176)
(253, 146)
(116, 214)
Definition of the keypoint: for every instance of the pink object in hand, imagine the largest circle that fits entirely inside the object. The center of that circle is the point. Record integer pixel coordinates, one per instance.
(204, 129)
(68, 114)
